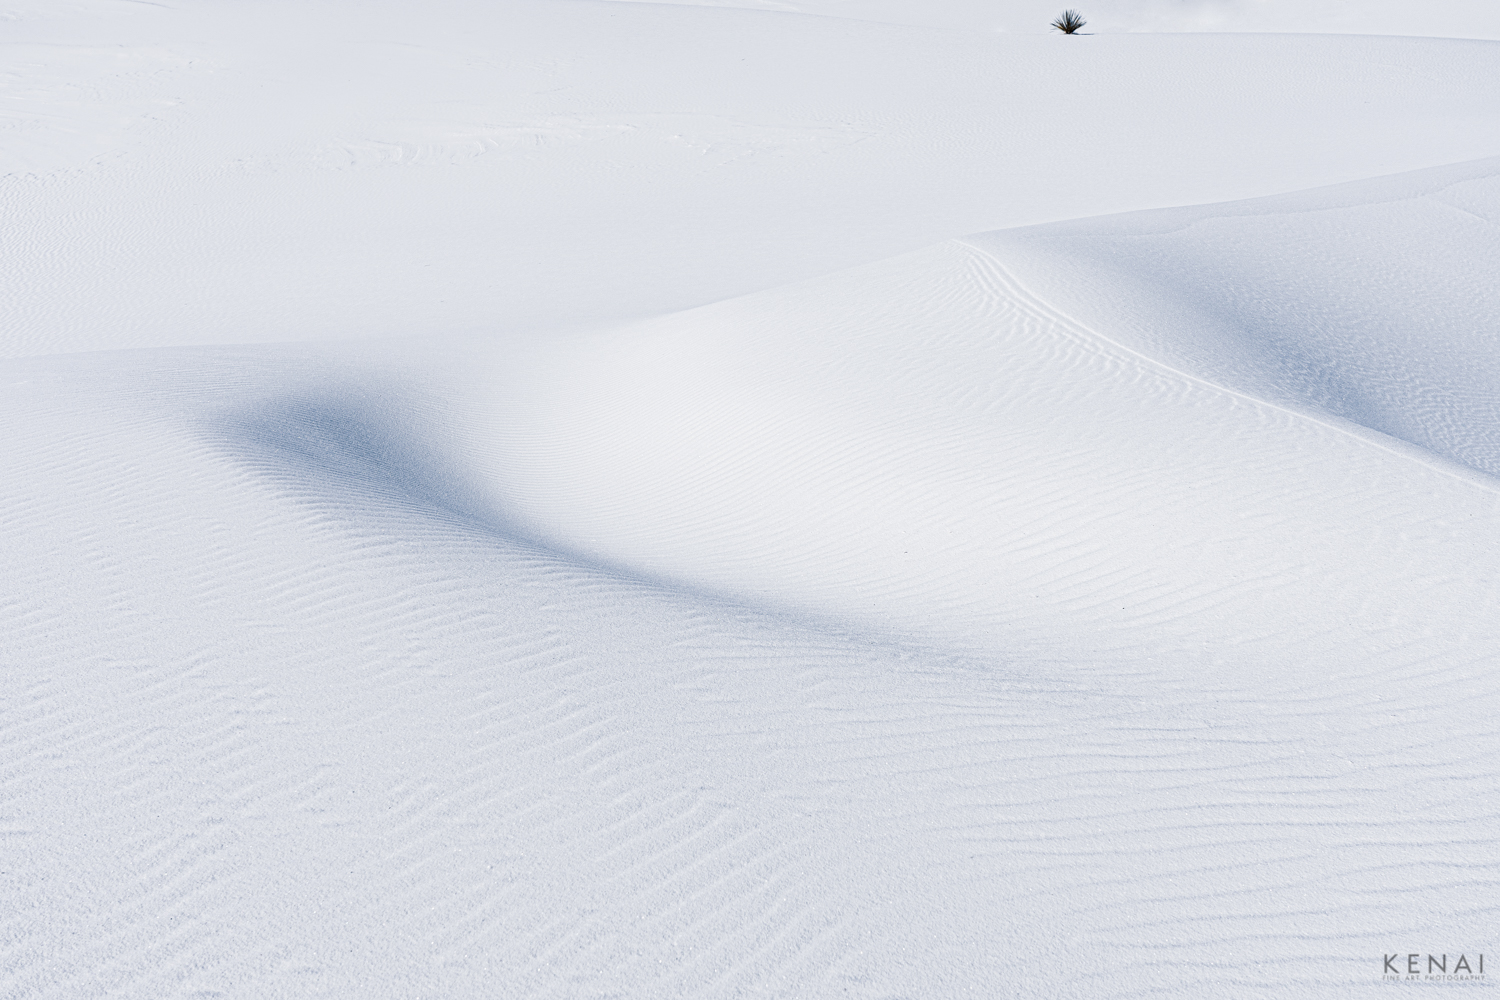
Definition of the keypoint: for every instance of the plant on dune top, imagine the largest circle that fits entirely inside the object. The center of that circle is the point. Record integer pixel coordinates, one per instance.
(1069, 22)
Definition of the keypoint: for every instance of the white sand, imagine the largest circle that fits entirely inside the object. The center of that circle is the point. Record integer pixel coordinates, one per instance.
(612, 499)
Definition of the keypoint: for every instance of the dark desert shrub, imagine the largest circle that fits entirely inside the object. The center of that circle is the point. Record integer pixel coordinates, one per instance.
(1069, 22)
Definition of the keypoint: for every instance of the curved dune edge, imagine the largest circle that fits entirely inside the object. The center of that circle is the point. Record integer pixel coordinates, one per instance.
(926, 447)
(1368, 301)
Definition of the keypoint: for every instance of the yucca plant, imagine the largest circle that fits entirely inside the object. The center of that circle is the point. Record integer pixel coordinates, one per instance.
(1070, 22)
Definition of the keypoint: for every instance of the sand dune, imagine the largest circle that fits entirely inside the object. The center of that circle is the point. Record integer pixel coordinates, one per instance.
(1370, 301)
(927, 444)
(506, 501)
(295, 171)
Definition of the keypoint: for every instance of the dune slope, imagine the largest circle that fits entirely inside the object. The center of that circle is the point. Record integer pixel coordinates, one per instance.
(929, 444)
(293, 712)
